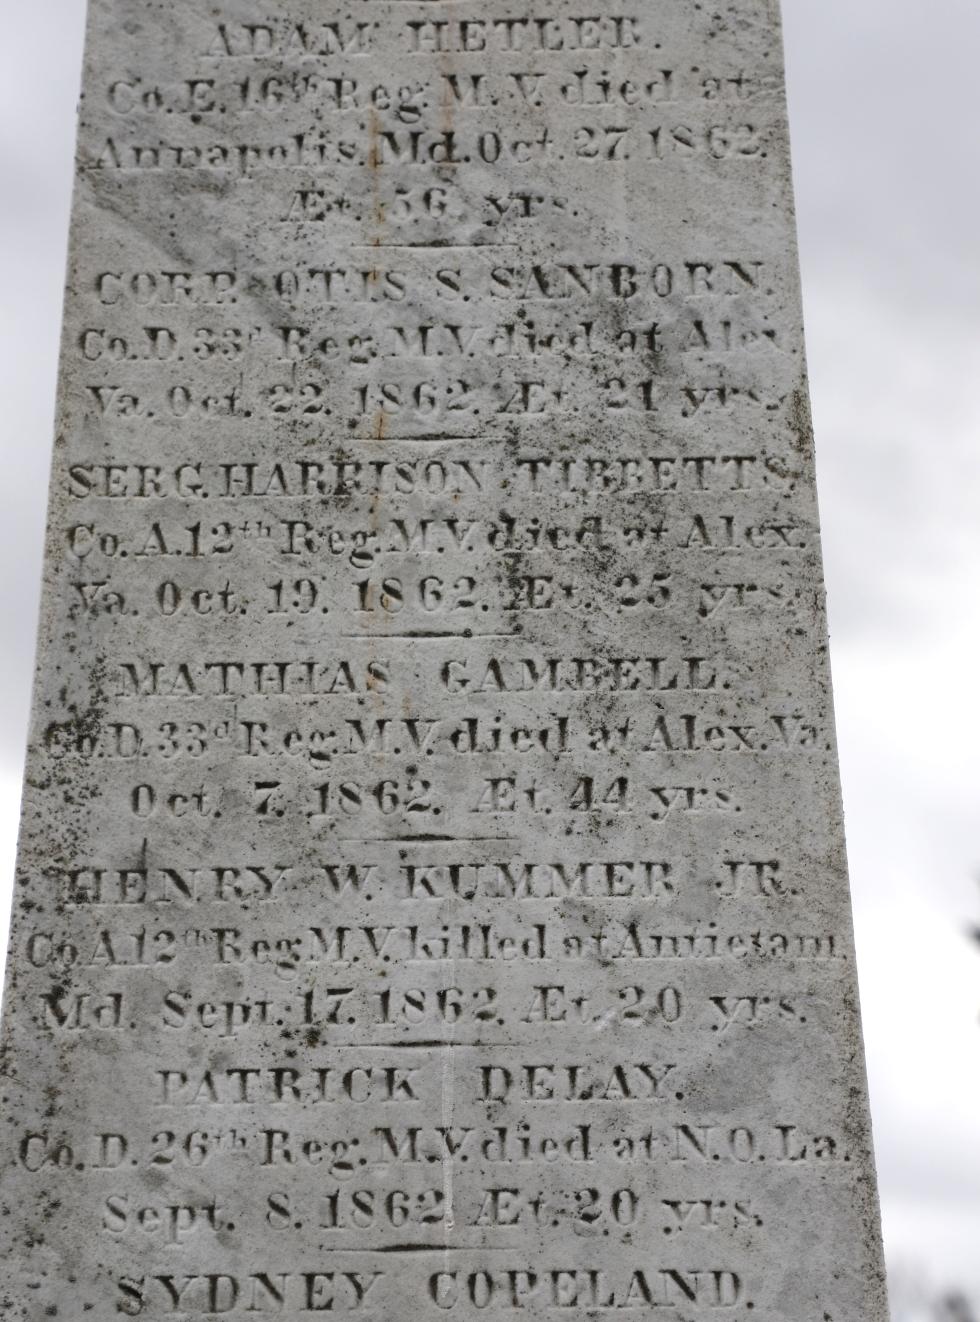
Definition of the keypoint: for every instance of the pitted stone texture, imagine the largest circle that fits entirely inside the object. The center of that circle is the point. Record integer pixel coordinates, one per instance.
(431, 894)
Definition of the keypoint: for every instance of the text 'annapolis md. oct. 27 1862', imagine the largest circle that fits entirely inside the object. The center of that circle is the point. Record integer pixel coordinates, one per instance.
(431, 897)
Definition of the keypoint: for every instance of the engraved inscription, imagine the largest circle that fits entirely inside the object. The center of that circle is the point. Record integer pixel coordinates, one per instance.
(431, 895)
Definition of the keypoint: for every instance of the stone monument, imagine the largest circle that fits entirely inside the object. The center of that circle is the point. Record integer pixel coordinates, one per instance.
(431, 896)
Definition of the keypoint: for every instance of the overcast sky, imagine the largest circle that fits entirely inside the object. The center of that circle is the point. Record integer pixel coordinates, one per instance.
(885, 116)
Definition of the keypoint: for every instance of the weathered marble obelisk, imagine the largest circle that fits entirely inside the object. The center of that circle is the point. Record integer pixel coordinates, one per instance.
(432, 898)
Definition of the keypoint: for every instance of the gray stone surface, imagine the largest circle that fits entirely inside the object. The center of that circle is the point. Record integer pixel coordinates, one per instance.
(431, 897)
